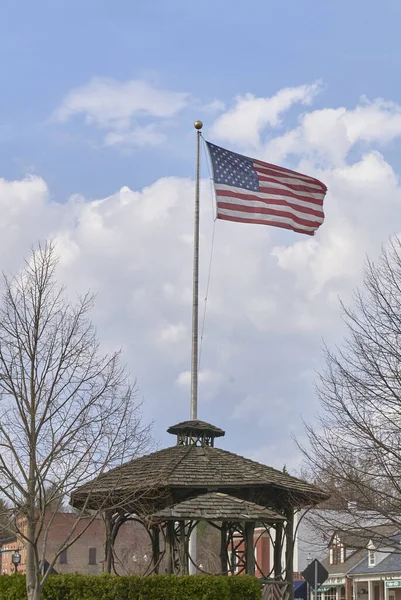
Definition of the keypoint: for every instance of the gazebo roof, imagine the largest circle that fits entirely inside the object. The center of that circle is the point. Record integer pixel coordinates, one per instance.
(196, 426)
(190, 469)
(216, 506)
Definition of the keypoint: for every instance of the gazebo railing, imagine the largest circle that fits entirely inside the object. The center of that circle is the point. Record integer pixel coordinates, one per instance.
(275, 590)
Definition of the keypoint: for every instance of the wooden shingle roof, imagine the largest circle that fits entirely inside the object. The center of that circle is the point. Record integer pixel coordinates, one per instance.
(198, 426)
(202, 468)
(216, 506)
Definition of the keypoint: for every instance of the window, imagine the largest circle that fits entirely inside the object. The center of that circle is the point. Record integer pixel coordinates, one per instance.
(92, 556)
(372, 558)
(63, 557)
(336, 555)
(331, 594)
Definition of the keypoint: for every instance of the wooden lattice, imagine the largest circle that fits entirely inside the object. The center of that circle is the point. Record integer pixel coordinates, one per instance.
(276, 590)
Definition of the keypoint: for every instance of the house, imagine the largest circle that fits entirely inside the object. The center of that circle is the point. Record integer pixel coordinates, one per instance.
(362, 564)
(378, 575)
(86, 554)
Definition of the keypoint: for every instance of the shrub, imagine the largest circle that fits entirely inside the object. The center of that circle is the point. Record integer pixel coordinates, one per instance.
(158, 587)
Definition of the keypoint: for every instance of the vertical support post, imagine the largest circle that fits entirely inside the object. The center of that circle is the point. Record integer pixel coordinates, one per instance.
(316, 584)
(108, 543)
(249, 550)
(156, 549)
(289, 554)
(195, 299)
(183, 553)
(195, 321)
(223, 549)
(278, 546)
(170, 547)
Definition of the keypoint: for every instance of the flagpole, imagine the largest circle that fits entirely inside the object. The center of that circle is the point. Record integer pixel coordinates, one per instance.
(195, 301)
(195, 327)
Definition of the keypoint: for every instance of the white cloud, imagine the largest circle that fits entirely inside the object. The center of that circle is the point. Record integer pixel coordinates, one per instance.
(244, 123)
(148, 135)
(205, 376)
(273, 294)
(121, 107)
(214, 106)
(330, 133)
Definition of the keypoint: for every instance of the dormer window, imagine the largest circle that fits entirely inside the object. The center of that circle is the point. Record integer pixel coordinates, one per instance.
(371, 554)
(336, 554)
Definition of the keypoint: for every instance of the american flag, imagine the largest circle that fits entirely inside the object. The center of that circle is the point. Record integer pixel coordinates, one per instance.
(252, 191)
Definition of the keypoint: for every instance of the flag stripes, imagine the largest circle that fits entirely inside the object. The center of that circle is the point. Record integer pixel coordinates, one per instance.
(250, 191)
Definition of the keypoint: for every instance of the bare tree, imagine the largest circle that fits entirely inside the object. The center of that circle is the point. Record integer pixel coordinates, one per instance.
(68, 412)
(355, 448)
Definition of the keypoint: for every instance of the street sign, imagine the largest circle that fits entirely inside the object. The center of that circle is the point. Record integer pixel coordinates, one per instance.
(393, 584)
(315, 574)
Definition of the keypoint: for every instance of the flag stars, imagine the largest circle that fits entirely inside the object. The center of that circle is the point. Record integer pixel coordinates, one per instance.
(233, 169)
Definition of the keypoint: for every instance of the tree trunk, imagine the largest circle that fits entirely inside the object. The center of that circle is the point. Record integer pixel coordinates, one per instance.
(33, 587)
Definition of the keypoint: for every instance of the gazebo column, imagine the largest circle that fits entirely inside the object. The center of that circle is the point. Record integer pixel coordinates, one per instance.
(183, 550)
(170, 547)
(289, 555)
(249, 549)
(223, 549)
(278, 549)
(155, 548)
(108, 543)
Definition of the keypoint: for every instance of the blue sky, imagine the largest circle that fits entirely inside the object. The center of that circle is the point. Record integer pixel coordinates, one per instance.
(218, 50)
(307, 84)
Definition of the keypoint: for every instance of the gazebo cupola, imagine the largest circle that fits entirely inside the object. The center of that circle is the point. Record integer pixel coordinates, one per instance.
(195, 433)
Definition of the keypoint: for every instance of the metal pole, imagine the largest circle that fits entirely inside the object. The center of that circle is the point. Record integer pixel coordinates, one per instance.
(195, 302)
(195, 325)
(316, 583)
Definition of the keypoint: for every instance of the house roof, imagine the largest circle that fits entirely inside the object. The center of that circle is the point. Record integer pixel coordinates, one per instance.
(191, 468)
(216, 506)
(389, 564)
(343, 568)
(360, 538)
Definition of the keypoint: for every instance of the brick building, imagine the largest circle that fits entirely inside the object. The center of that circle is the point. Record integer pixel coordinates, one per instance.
(86, 555)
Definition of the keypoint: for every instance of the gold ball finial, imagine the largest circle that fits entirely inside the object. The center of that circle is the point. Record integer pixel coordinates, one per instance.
(198, 124)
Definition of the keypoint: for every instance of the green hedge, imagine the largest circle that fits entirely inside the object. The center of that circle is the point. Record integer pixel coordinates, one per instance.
(158, 587)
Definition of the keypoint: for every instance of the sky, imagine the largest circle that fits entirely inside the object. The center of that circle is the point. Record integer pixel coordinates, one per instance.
(97, 152)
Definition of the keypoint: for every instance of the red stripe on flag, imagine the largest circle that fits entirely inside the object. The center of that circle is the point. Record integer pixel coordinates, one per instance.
(291, 186)
(263, 222)
(267, 195)
(268, 211)
(274, 201)
(282, 170)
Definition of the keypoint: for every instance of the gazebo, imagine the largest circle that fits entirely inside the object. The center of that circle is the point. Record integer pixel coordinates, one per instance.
(171, 490)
